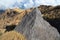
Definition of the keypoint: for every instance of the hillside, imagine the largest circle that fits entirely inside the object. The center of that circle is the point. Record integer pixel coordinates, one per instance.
(12, 19)
(52, 15)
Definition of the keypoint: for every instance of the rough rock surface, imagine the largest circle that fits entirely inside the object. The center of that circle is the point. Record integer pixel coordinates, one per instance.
(34, 27)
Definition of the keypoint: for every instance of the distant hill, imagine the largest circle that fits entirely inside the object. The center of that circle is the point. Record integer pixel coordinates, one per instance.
(1, 11)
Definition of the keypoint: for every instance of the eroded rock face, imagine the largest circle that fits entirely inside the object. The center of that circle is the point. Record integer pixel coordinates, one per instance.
(34, 27)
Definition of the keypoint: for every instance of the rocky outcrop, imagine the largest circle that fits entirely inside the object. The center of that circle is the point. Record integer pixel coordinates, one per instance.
(34, 27)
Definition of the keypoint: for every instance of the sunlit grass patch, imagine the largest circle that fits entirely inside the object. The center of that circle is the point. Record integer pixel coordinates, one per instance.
(12, 35)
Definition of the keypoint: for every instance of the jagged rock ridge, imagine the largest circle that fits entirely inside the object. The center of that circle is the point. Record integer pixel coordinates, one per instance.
(38, 29)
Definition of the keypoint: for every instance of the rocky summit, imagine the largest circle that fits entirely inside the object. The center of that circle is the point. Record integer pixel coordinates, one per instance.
(34, 27)
(42, 23)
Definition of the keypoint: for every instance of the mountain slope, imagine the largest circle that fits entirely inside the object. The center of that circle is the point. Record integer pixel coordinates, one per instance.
(34, 27)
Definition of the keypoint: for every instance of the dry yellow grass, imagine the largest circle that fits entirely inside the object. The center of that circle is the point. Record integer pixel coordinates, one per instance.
(2, 31)
(18, 10)
(50, 12)
(6, 19)
(12, 17)
(12, 35)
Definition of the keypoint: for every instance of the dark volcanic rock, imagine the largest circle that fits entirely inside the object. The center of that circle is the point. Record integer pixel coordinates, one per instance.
(34, 27)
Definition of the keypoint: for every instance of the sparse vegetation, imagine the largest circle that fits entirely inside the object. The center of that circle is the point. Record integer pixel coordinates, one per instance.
(12, 17)
(12, 35)
(50, 12)
(2, 31)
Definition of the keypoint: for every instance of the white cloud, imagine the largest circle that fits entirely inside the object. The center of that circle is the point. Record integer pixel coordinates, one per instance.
(4, 4)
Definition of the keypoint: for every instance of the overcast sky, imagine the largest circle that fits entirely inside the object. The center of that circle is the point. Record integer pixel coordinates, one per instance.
(5, 4)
